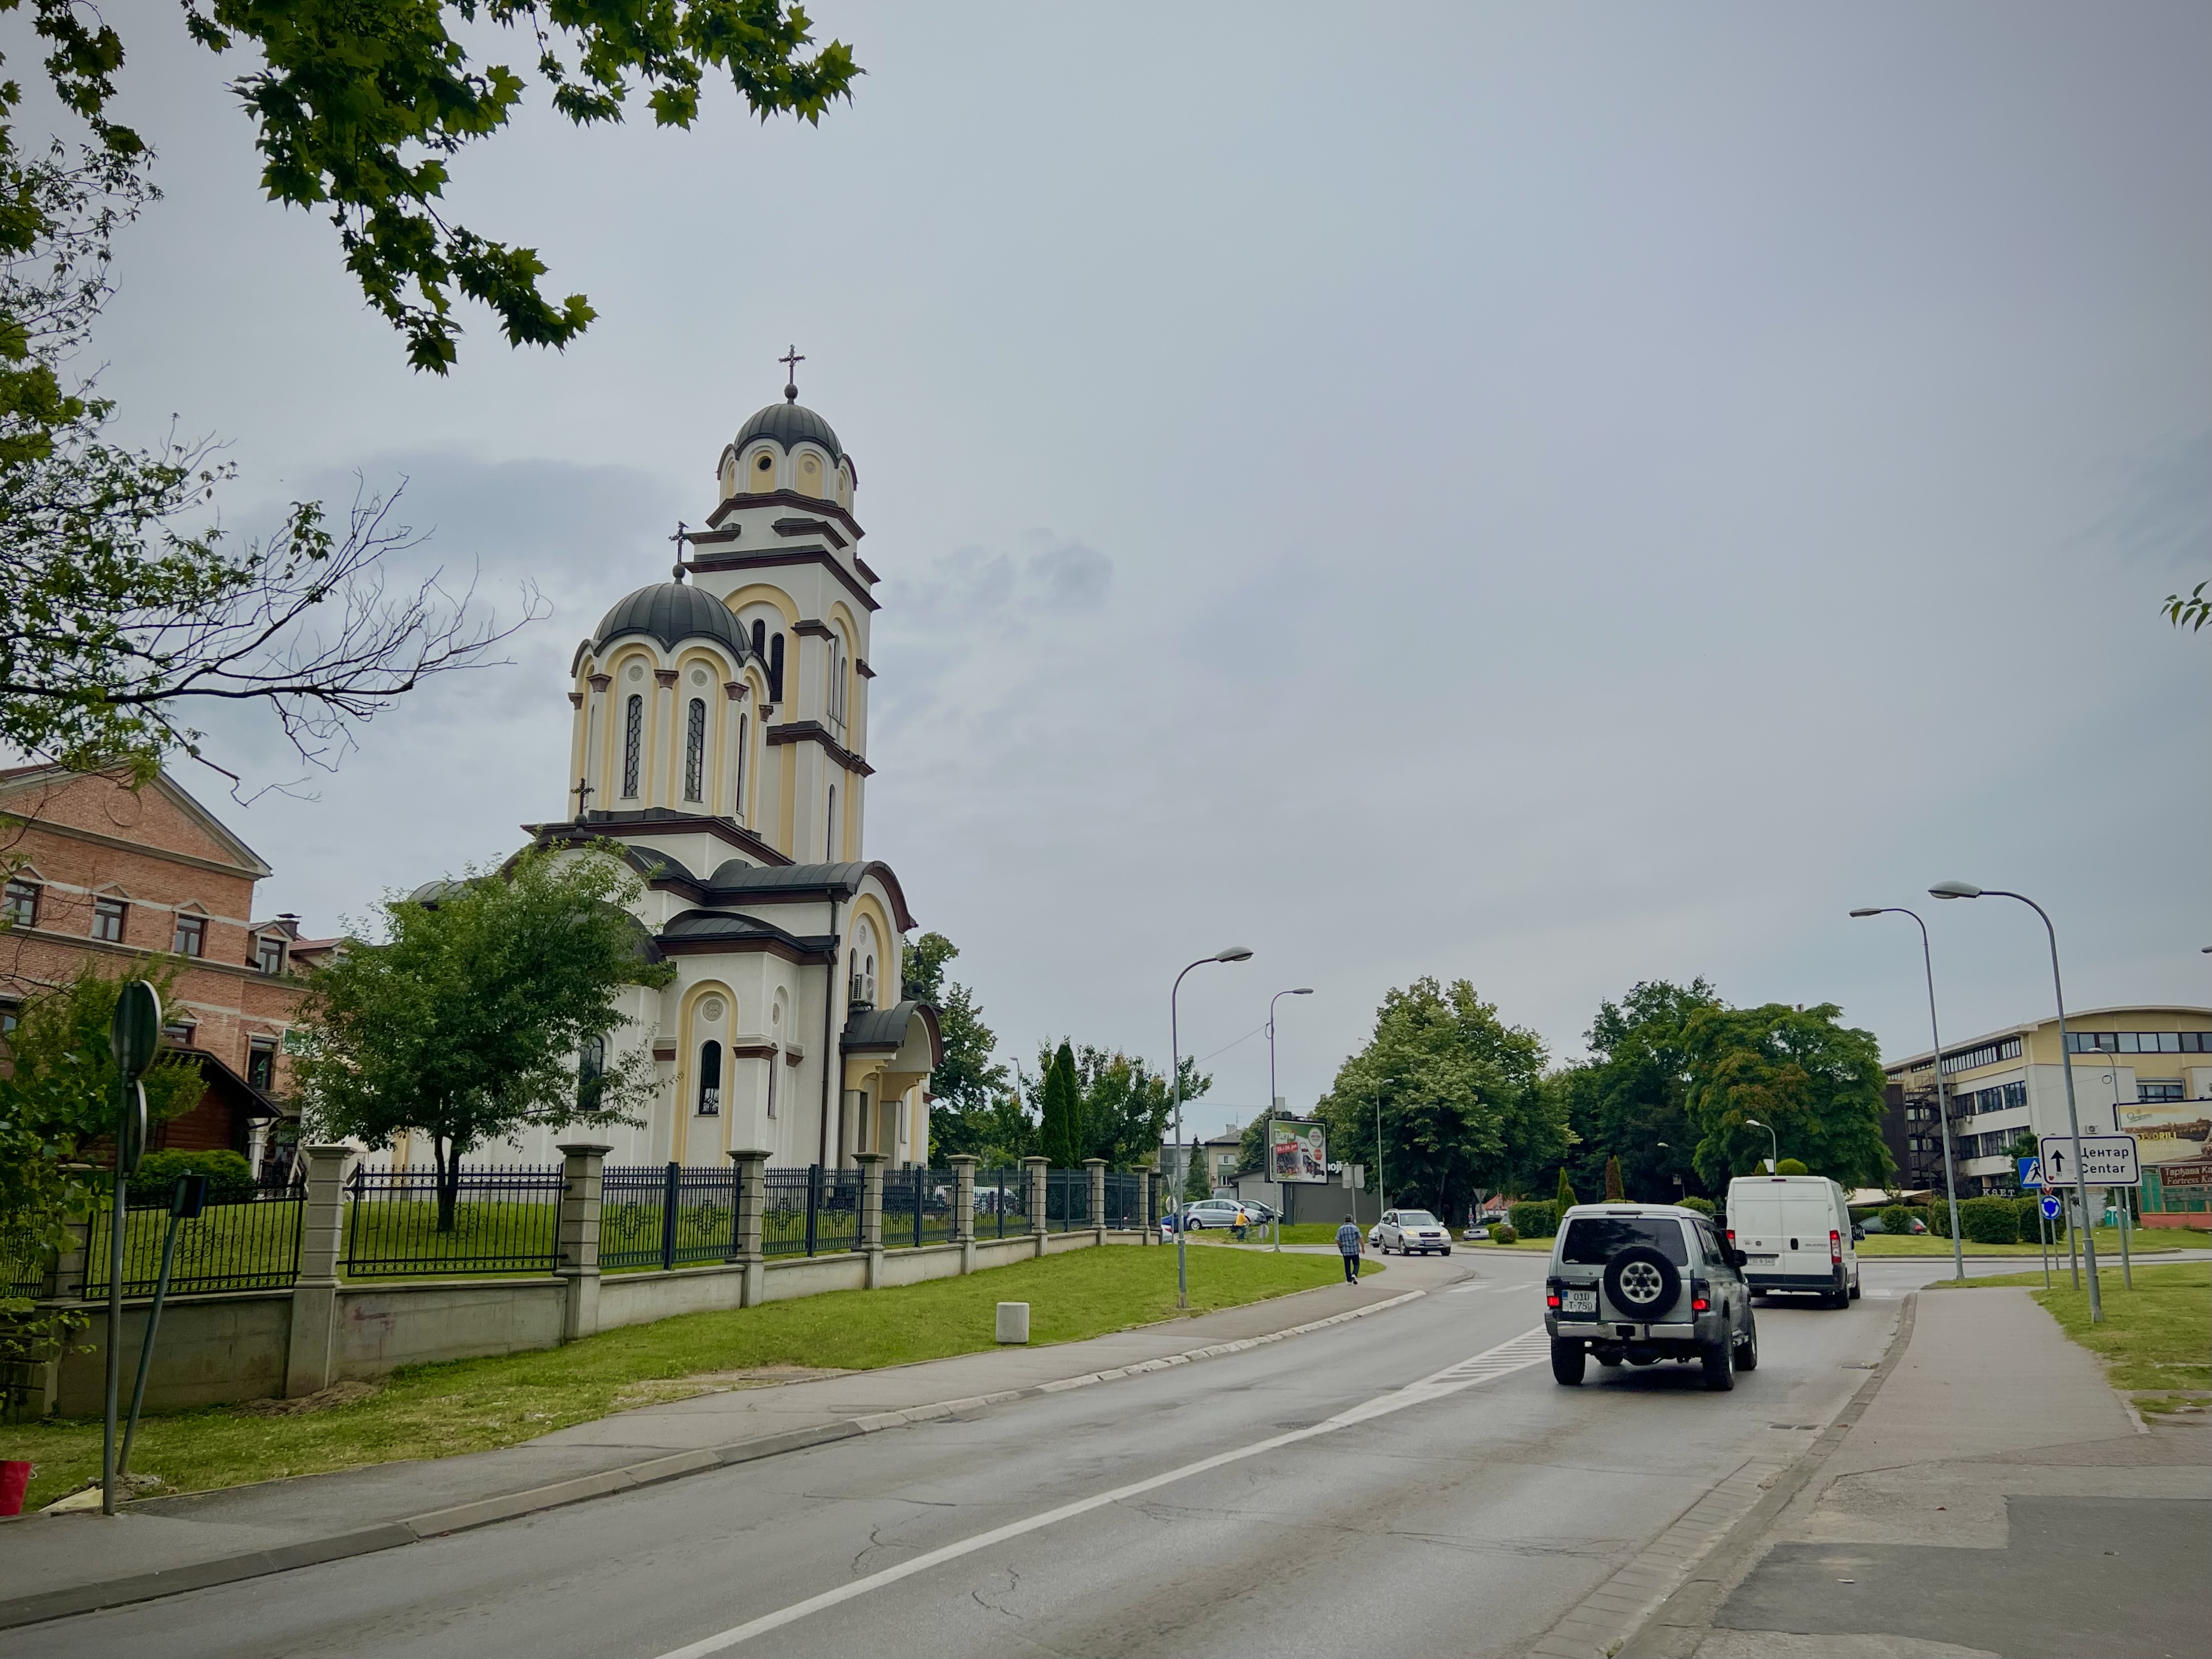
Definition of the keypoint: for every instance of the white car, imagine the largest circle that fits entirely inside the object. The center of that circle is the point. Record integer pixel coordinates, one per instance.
(1215, 1212)
(1412, 1232)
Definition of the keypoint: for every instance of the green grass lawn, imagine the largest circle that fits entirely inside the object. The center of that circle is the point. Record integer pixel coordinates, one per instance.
(473, 1405)
(2155, 1339)
(2141, 1241)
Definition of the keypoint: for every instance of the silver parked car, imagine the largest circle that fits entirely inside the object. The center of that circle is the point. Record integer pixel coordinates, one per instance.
(1412, 1232)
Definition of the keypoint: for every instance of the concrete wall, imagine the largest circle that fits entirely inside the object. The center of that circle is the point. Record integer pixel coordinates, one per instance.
(381, 1329)
(211, 1349)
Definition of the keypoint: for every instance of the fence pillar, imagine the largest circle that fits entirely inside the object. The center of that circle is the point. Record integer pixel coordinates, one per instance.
(1034, 1168)
(752, 1207)
(1095, 1169)
(963, 1206)
(313, 1345)
(1147, 1227)
(872, 1213)
(583, 1168)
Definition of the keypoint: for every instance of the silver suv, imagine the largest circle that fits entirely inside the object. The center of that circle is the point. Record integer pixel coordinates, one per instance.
(1647, 1282)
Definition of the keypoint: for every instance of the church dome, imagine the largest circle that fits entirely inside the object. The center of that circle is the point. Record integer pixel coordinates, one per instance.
(671, 613)
(789, 423)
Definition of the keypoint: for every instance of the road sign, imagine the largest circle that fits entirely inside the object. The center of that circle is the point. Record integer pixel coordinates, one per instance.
(2107, 1160)
(2030, 1172)
(2050, 1209)
(135, 1029)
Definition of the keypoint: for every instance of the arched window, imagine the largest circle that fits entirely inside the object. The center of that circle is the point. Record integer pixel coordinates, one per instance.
(739, 811)
(710, 1078)
(776, 668)
(831, 838)
(632, 743)
(694, 751)
(760, 639)
(591, 1074)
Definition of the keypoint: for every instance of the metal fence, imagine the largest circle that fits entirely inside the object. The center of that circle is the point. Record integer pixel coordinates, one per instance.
(919, 1207)
(22, 1264)
(666, 1216)
(497, 1220)
(1125, 1201)
(1067, 1200)
(1002, 1203)
(233, 1244)
(811, 1211)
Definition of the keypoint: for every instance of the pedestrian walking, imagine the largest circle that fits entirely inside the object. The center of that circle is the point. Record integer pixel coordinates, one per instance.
(1241, 1226)
(1347, 1246)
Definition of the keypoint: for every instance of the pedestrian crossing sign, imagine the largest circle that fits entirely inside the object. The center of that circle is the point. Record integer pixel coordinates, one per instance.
(2030, 1172)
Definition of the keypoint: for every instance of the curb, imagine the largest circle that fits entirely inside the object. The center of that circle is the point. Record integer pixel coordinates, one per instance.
(18, 1611)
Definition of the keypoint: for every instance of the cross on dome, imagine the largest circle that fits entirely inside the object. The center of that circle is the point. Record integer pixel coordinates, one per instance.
(791, 361)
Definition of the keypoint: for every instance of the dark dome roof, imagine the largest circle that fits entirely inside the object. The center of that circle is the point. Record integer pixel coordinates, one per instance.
(790, 423)
(671, 613)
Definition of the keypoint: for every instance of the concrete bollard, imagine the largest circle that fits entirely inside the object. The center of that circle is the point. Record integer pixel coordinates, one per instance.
(1014, 1321)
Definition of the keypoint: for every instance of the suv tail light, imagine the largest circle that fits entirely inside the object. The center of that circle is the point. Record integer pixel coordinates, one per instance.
(1835, 1245)
(1731, 1232)
(1700, 1297)
(1550, 1292)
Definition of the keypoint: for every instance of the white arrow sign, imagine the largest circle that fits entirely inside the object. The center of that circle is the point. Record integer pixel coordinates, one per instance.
(2107, 1160)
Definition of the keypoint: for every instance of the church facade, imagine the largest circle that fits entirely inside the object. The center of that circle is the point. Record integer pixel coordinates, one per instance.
(719, 735)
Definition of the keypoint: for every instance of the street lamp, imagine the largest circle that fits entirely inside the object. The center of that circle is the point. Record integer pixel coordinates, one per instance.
(1957, 889)
(1234, 953)
(1273, 1099)
(1773, 1147)
(1943, 1112)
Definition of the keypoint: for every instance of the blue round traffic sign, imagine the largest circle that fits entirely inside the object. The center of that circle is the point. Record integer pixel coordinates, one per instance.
(2050, 1209)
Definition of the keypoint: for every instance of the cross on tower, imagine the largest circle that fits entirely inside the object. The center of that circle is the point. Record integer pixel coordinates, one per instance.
(683, 534)
(580, 791)
(791, 361)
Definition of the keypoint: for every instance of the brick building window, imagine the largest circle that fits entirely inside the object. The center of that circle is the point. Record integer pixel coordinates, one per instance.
(269, 953)
(261, 1064)
(21, 907)
(179, 1031)
(108, 915)
(190, 936)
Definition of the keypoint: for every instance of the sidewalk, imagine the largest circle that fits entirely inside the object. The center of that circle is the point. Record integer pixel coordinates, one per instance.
(1995, 1497)
(54, 1566)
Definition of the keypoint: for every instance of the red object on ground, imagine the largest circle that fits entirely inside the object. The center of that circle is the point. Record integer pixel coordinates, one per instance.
(14, 1481)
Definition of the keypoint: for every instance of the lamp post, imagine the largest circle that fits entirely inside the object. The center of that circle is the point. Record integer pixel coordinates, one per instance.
(1957, 889)
(1943, 1112)
(1234, 953)
(1274, 1099)
(2127, 1262)
(1773, 1147)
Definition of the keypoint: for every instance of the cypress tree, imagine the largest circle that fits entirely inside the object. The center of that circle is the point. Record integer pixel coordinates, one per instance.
(1566, 1198)
(1063, 1112)
(1613, 1191)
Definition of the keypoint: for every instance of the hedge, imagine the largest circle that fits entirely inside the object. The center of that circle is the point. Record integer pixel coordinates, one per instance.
(1989, 1221)
(2032, 1224)
(1501, 1234)
(1534, 1218)
(229, 1176)
(1896, 1219)
(1702, 1206)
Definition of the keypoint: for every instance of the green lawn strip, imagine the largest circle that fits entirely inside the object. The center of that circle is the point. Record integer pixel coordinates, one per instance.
(474, 1405)
(2141, 1241)
(2157, 1336)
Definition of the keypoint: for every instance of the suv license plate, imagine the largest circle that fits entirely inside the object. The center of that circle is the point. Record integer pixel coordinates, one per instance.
(1578, 1301)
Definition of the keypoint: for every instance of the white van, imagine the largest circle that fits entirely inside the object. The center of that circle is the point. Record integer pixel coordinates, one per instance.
(1796, 1235)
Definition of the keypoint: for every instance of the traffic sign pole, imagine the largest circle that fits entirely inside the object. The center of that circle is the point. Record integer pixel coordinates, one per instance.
(132, 1035)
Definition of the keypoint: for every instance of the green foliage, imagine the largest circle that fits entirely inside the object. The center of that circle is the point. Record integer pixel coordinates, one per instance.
(1464, 1103)
(1123, 1108)
(1989, 1221)
(1534, 1220)
(63, 1083)
(1896, 1219)
(229, 1176)
(1061, 1138)
(1791, 1166)
(966, 1086)
(1628, 1100)
(1195, 1185)
(2032, 1226)
(1500, 1233)
(1702, 1206)
(1565, 1199)
(2192, 612)
(1613, 1187)
(466, 1022)
(1818, 1083)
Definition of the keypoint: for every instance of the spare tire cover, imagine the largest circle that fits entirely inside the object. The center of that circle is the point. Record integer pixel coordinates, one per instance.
(1642, 1284)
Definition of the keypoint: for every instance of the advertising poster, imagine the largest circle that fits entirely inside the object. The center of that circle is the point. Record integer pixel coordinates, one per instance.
(2167, 1131)
(1297, 1153)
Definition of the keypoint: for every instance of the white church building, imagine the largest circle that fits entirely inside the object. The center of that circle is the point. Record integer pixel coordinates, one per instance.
(721, 735)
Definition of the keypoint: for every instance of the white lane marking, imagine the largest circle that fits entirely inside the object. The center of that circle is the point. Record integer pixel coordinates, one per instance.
(1528, 1349)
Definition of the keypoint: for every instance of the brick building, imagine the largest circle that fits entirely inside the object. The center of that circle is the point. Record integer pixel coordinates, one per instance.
(96, 869)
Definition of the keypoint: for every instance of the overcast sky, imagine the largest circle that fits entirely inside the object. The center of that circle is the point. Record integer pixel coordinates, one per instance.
(1556, 496)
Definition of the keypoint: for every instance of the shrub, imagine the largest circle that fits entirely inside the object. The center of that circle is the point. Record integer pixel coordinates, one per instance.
(1702, 1206)
(2030, 1211)
(1535, 1219)
(1989, 1221)
(1896, 1219)
(1501, 1234)
(229, 1176)
(1791, 1166)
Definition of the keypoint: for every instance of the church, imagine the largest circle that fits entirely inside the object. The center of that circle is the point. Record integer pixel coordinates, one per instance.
(719, 734)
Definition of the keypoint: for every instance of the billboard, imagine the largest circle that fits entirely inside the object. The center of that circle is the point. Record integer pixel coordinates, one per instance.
(2167, 1131)
(1297, 1153)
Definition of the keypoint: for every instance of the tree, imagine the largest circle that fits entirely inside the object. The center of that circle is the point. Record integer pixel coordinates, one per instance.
(115, 615)
(1613, 1187)
(1628, 1100)
(1791, 1166)
(1062, 1133)
(1564, 1197)
(361, 104)
(485, 1012)
(2192, 612)
(1816, 1082)
(1197, 1179)
(1461, 1097)
(966, 1086)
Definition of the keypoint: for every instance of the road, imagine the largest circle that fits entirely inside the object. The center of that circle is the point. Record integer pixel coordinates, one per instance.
(1360, 1487)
